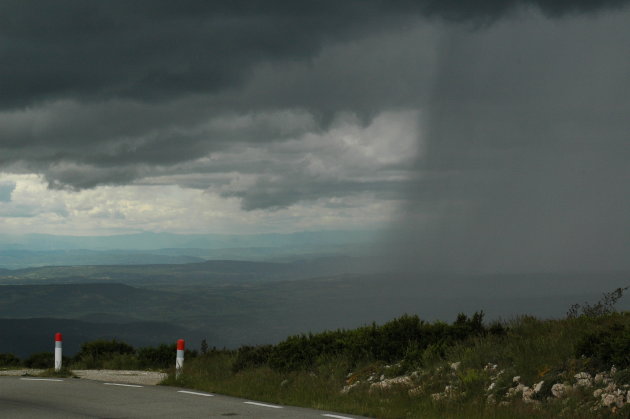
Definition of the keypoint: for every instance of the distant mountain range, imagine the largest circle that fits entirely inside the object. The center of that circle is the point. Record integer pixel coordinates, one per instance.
(165, 248)
(23, 337)
(155, 241)
(234, 303)
(206, 273)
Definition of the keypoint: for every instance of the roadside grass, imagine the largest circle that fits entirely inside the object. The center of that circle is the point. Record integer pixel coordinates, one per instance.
(321, 390)
(533, 349)
(64, 372)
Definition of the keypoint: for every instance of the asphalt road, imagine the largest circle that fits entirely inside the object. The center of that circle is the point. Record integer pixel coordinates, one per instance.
(68, 398)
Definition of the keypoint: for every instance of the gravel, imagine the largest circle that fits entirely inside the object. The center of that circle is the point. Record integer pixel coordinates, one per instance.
(114, 376)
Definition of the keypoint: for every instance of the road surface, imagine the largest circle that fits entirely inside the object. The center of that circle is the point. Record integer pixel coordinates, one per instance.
(70, 398)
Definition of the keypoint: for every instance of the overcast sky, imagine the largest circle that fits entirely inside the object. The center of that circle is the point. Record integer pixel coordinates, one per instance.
(484, 130)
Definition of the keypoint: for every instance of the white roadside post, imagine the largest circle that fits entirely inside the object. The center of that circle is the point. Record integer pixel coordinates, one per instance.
(179, 360)
(58, 351)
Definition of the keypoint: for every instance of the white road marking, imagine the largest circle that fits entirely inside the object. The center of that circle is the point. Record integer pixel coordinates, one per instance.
(41, 379)
(121, 385)
(195, 393)
(336, 416)
(264, 405)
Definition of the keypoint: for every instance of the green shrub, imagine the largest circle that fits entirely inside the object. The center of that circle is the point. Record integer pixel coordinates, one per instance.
(473, 382)
(622, 377)
(251, 357)
(97, 352)
(121, 362)
(608, 347)
(497, 328)
(40, 360)
(311, 369)
(160, 357)
(295, 353)
(9, 360)
(406, 338)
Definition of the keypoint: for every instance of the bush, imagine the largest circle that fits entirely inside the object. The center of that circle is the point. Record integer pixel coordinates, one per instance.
(9, 360)
(406, 337)
(608, 347)
(160, 357)
(251, 357)
(95, 353)
(121, 362)
(40, 360)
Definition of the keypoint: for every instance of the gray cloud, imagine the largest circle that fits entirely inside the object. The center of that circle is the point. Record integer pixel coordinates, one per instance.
(527, 148)
(523, 105)
(155, 50)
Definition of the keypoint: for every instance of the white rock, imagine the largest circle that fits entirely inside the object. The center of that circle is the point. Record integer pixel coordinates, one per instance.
(608, 399)
(583, 382)
(558, 390)
(528, 393)
(491, 386)
(598, 392)
(417, 391)
(516, 379)
(610, 388)
(538, 386)
(616, 399)
(346, 389)
(455, 365)
(620, 395)
(437, 396)
(491, 367)
(387, 384)
(513, 391)
(583, 379)
(599, 377)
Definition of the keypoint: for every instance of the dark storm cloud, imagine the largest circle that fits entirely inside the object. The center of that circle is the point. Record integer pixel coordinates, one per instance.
(526, 164)
(524, 110)
(155, 50)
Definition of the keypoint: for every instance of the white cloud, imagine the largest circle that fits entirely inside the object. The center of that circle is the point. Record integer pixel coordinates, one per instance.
(116, 209)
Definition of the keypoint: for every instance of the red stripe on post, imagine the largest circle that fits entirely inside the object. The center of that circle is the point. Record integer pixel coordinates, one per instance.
(58, 337)
(180, 345)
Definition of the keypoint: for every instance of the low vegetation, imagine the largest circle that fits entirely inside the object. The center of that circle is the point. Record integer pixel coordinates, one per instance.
(102, 354)
(574, 367)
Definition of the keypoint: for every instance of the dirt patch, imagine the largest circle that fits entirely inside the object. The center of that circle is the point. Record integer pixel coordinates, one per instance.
(20, 372)
(115, 376)
(122, 376)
